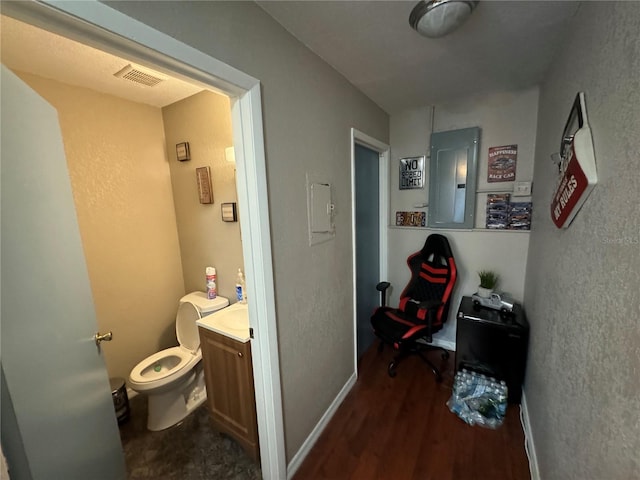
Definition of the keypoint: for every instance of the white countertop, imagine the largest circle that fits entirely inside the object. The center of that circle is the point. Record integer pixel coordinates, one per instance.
(232, 322)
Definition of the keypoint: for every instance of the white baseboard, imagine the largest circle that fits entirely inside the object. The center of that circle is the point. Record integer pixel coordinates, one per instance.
(438, 342)
(308, 444)
(528, 439)
(446, 344)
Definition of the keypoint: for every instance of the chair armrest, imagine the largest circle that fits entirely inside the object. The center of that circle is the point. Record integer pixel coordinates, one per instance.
(382, 288)
(430, 304)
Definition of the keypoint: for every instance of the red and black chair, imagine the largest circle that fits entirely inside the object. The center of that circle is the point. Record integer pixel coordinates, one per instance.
(424, 304)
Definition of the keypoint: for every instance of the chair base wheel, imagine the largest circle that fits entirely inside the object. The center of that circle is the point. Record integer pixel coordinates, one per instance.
(419, 351)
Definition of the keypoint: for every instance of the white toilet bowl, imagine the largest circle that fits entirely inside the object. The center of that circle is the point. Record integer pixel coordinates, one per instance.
(173, 378)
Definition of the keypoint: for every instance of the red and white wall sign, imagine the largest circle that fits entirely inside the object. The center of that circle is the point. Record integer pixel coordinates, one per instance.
(577, 175)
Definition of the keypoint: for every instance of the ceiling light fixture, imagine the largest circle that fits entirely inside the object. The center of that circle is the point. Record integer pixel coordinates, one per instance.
(436, 18)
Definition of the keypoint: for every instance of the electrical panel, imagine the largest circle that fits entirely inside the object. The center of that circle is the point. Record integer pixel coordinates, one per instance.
(320, 208)
(320, 211)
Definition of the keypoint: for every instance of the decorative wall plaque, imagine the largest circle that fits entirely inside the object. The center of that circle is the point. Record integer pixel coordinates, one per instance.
(410, 219)
(411, 173)
(204, 185)
(502, 163)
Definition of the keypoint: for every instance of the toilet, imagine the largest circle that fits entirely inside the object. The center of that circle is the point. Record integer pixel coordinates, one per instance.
(173, 379)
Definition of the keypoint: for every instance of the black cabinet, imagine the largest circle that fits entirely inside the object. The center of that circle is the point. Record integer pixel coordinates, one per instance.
(493, 343)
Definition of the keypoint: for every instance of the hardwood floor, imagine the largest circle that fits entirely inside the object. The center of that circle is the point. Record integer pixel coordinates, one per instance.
(400, 428)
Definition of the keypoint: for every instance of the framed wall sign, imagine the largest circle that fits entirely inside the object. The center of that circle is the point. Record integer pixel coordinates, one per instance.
(411, 172)
(502, 163)
(204, 185)
(577, 173)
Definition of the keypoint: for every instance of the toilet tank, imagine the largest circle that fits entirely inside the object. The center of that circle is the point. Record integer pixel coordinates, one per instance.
(203, 304)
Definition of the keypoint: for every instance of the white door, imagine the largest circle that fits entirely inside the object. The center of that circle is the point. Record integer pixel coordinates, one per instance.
(55, 375)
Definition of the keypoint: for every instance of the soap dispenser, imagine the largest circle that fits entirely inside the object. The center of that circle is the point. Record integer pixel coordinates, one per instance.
(241, 293)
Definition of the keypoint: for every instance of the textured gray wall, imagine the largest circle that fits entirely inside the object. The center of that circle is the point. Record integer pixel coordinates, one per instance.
(308, 110)
(582, 291)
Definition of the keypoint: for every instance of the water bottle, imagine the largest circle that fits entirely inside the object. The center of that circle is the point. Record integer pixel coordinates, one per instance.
(478, 399)
(212, 289)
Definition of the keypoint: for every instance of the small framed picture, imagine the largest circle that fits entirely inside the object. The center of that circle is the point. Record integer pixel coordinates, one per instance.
(204, 185)
(229, 213)
(182, 152)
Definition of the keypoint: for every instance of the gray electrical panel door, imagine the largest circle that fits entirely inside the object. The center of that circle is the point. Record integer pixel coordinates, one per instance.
(452, 178)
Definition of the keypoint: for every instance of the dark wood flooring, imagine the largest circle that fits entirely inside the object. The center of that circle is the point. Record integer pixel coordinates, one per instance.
(400, 428)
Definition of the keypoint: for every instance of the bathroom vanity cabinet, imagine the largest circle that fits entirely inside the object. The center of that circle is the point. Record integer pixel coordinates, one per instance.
(230, 393)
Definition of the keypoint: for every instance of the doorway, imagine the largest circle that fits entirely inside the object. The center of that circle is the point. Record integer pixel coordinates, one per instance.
(367, 243)
(98, 25)
(369, 174)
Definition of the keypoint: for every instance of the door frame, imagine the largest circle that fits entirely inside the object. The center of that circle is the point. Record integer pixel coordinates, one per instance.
(361, 138)
(102, 27)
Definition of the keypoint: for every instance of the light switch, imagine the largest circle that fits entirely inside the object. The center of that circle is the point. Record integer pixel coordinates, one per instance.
(522, 189)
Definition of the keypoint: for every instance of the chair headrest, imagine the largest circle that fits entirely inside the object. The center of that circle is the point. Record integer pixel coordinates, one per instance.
(436, 243)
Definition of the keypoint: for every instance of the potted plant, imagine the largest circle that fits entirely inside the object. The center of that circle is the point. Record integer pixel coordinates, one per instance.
(488, 282)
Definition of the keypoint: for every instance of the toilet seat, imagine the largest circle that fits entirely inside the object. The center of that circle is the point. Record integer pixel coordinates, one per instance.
(144, 374)
(170, 364)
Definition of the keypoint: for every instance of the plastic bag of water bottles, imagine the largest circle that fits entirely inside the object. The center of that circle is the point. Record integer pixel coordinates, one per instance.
(478, 400)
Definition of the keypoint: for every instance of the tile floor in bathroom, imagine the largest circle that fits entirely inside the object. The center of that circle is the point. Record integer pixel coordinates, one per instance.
(192, 450)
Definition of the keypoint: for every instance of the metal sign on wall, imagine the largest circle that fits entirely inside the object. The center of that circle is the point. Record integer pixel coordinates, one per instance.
(411, 219)
(577, 175)
(411, 172)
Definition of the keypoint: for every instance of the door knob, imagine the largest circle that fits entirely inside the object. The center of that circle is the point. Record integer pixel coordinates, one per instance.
(102, 337)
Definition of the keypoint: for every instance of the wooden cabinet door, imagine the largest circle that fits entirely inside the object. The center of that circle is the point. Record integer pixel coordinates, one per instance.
(230, 393)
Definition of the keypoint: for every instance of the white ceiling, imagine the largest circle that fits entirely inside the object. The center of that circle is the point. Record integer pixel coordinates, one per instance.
(504, 46)
(28, 49)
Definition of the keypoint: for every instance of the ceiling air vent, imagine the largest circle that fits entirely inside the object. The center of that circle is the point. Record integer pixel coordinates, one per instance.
(139, 75)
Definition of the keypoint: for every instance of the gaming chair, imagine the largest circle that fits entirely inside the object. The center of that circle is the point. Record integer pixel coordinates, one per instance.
(424, 304)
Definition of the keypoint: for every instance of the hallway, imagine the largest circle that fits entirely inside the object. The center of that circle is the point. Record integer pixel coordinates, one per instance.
(400, 428)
